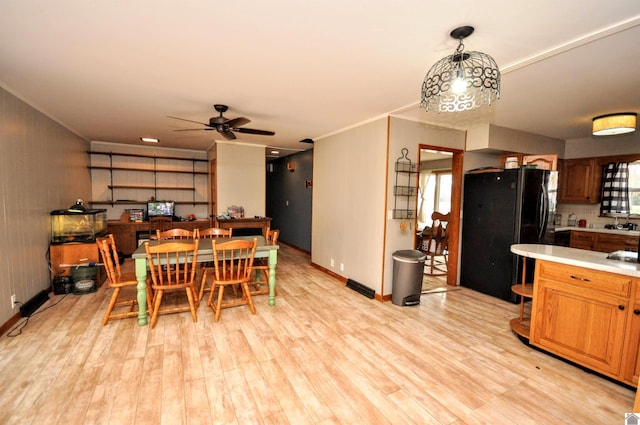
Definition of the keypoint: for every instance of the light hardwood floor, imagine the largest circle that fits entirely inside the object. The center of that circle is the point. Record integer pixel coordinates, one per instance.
(323, 355)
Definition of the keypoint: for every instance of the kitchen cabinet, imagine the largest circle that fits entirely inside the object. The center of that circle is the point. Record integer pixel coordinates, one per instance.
(127, 234)
(71, 253)
(631, 365)
(543, 162)
(583, 315)
(589, 315)
(602, 242)
(579, 181)
(608, 243)
(583, 240)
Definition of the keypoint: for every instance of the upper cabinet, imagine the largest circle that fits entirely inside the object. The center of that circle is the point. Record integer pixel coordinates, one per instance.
(543, 162)
(580, 181)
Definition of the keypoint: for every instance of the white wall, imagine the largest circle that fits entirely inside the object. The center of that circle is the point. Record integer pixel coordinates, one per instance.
(43, 167)
(603, 146)
(409, 134)
(349, 202)
(241, 177)
(492, 138)
(353, 176)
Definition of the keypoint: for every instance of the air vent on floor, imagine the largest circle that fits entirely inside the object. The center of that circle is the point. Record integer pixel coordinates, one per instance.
(359, 287)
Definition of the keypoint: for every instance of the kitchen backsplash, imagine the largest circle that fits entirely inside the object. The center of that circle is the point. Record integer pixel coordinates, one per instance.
(589, 212)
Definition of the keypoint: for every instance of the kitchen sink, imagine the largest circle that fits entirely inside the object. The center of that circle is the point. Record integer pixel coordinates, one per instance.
(629, 256)
(627, 226)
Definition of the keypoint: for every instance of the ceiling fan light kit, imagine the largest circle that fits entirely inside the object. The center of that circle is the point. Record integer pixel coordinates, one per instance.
(462, 81)
(226, 127)
(612, 124)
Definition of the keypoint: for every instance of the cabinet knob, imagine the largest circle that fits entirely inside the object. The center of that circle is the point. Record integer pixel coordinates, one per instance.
(620, 307)
(636, 311)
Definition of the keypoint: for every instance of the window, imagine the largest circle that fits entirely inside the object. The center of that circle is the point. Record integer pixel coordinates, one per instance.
(435, 195)
(634, 187)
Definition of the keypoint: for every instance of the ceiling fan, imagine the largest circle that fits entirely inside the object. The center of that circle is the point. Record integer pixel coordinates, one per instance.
(225, 126)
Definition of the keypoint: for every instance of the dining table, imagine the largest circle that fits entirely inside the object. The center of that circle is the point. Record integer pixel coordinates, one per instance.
(264, 249)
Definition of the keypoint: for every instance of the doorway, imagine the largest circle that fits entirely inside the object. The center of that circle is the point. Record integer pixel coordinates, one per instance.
(440, 189)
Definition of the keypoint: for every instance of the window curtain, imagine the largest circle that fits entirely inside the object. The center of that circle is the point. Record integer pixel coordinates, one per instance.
(615, 188)
(424, 215)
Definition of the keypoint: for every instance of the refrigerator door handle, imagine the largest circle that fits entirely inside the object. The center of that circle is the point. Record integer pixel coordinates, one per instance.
(544, 211)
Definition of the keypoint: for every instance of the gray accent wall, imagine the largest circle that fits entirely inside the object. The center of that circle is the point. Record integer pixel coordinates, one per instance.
(43, 166)
(289, 198)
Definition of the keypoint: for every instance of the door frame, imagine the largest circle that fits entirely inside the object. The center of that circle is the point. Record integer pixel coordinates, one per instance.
(456, 202)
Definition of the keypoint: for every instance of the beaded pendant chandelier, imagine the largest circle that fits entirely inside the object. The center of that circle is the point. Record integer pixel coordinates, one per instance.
(462, 81)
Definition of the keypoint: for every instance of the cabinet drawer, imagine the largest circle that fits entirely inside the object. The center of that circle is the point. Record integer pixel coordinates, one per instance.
(585, 278)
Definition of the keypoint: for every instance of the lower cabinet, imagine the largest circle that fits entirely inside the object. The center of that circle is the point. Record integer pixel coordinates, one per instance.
(64, 256)
(602, 242)
(125, 236)
(609, 243)
(631, 370)
(587, 317)
(126, 233)
(583, 240)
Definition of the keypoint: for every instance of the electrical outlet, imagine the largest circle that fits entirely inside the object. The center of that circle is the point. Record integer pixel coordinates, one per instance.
(341, 267)
(13, 301)
(332, 262)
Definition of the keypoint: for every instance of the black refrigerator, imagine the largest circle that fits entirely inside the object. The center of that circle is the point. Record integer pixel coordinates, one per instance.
(502, 208)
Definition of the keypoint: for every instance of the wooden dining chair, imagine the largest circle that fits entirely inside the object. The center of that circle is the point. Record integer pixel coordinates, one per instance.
(173, 234)
(172, 266)
(118, 280)
(213, 232)
(435, 245)
(160, 223)
(260, 284)
(207, 267)
(232, 266)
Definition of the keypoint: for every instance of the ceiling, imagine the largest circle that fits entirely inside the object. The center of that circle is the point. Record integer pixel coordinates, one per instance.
(114, 71)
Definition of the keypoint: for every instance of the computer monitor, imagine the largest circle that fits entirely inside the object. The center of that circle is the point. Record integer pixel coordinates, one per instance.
(160, 209)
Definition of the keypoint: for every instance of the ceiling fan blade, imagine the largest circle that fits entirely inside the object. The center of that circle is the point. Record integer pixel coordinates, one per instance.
(194, 129)
(227, 134)
(183, 119)
(254, 131)
(237, 122)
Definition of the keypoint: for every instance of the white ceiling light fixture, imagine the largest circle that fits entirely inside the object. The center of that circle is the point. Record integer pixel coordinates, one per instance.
(612, 124)
(149, 140)
(462, 81)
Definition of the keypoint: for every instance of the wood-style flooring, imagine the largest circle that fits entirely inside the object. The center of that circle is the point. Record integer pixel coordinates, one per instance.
(323, 355)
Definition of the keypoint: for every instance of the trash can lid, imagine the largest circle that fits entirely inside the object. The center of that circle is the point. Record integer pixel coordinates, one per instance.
(409, 255)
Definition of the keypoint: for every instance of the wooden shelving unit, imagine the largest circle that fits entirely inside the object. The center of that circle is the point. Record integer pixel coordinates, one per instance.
(522, 324)
(155, 189)
(405, 188)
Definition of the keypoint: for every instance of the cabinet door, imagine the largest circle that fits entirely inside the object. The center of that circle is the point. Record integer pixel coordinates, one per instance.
(544, 162)
(582, 240)
(125, 236)
(631, 366)
(610, 243)
(72, 253)
(578, 181)
(584, 326)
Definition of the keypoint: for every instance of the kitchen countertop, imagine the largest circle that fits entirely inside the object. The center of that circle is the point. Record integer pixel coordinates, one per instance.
(599, 230)
(577, 257)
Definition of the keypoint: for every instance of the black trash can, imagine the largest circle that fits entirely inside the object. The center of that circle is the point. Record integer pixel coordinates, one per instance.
(408, 268)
